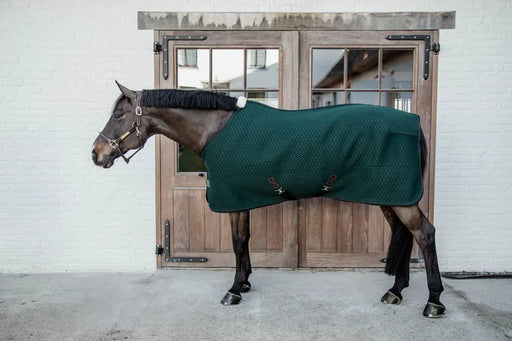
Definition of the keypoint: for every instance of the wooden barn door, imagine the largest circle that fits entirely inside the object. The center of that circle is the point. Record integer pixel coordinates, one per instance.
(291, 70)
(261, 66)
(359, 67)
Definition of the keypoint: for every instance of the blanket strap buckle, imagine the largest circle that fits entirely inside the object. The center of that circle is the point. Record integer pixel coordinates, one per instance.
(277, 187)
(329, 183)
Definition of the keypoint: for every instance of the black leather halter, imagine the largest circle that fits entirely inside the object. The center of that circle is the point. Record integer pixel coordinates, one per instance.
(115, 143)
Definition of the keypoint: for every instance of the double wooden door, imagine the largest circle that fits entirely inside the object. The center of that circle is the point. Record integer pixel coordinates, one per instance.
(290, 70)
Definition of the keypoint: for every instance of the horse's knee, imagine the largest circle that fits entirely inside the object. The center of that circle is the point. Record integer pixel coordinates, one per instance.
(426, 235)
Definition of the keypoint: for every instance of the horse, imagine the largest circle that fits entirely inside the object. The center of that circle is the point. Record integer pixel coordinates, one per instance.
(194, 118)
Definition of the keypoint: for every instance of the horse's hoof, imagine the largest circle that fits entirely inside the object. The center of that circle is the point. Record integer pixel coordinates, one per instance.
(246, 287)
(433, 310)
(390, 298)
(231, 299)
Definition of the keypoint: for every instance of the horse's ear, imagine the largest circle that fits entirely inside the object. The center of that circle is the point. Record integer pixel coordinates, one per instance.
(127, 92)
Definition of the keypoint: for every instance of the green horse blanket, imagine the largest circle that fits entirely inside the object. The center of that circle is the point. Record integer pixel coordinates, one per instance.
(354, 152)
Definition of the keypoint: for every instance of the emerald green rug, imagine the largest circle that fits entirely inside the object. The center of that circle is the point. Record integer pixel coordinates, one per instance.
(354, 152)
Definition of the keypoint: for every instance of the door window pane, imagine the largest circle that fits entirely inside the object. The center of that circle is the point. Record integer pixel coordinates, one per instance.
(228, 69)
(268, 98)
(188, 161)
(193, 68)
(262, 69)
(363, 97)
(324, 99)
(397, 100)
(363, 69)
(327, 68)
(397, 69)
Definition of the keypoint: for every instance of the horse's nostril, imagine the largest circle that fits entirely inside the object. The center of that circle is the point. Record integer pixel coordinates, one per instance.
(94, 155)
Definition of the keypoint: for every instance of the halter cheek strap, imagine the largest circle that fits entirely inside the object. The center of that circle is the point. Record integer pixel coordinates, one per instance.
(115, 143)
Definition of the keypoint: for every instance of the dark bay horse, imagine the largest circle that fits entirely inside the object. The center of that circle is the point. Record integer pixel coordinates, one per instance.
(193, 118)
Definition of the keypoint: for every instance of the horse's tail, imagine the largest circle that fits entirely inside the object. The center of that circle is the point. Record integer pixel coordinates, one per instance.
(400, 247)
(423, 152)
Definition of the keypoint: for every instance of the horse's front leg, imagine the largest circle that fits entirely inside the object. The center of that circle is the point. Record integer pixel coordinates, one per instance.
(240, 235)
(424, 233)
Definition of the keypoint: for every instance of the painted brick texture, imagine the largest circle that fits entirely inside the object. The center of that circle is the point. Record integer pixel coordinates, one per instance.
(58, 62)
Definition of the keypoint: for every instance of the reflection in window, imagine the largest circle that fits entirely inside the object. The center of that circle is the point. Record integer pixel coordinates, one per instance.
(398, 100)
(363, 69)
(197, 75)
(328, 68)
(397, 69)
(324, 99)
(363, 97)
(256, 59)
(187, 57)
(267, 98)
(262, 69)
(228, 69)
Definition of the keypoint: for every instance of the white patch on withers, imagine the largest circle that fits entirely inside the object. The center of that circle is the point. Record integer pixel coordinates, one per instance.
(241, 101)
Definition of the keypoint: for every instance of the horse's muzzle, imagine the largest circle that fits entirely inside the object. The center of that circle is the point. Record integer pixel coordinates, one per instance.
(107, 163)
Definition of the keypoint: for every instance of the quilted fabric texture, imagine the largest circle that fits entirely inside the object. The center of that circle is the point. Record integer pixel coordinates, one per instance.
(372, 152)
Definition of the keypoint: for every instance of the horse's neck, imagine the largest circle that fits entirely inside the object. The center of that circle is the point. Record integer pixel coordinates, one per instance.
(191, 127)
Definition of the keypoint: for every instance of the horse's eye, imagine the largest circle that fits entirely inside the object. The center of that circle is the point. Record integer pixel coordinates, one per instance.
(118, 114)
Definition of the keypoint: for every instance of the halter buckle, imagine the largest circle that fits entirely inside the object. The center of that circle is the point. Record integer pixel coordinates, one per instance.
(113, 144)
(138, 110)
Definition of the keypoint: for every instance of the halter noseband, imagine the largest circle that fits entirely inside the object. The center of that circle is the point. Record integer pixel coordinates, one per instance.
(114, 143)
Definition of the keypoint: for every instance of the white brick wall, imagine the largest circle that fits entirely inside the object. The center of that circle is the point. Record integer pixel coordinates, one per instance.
(58, 60)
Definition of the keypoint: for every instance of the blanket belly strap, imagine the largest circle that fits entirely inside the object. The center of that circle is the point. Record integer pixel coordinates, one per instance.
(275, 185)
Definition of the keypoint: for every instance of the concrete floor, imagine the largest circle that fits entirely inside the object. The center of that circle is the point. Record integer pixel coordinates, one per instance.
(283, 305)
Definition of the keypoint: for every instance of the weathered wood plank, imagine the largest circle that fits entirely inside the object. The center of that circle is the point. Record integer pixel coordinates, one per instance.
(329, 222)
(344, 233)
(180, 228)
(258, 221)
(360, 228)
(375, 229)
(275, 228)
(223, 21)
(314, 224)
(196, 219)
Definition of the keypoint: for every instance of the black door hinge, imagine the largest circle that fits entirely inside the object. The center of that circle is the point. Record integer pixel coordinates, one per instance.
(165, 44)
(168, 257)
(159, 249)
(436, 47)
(157, 47)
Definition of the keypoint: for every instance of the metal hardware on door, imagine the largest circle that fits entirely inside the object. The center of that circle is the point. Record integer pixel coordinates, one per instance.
(165, 46)
(436, 47)
(168, 257)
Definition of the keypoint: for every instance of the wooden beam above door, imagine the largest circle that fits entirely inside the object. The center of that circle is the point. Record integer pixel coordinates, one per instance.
(218, 21)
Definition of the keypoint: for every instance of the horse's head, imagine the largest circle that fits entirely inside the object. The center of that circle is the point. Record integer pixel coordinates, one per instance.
(125, 130)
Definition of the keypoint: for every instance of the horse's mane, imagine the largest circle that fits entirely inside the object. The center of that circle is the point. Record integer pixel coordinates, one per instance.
(187, 99)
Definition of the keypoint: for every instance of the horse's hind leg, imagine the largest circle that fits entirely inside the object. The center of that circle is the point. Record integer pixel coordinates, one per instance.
(240, 235)
(424, 233)
(399, 256)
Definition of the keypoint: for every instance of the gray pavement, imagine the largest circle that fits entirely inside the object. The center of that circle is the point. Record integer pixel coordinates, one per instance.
(283, 305)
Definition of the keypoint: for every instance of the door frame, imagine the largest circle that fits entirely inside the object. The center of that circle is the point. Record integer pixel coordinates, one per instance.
(424, 98)
(285, 40)
(217, 21)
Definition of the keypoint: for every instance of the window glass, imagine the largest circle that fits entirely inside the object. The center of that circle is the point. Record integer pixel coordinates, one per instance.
(363, 69)
(323, 99)
(328, 66)
(397, 100)
(227, 69)
(397, 69)
(193, 68)
(363, 97)
(262, 69)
